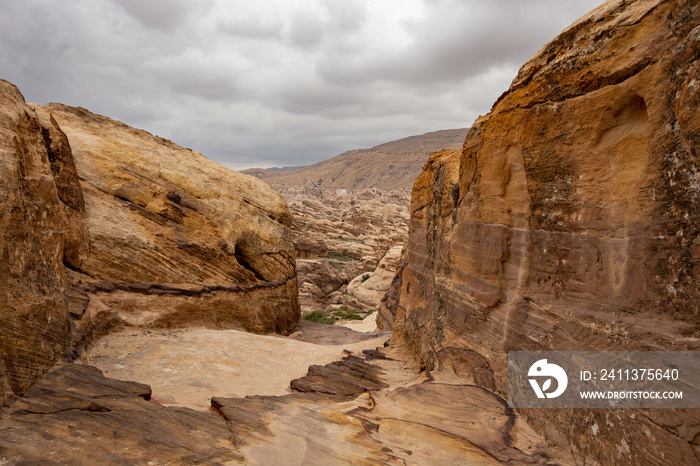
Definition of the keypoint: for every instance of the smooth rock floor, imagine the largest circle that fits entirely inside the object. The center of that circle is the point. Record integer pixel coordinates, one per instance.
(188, 367)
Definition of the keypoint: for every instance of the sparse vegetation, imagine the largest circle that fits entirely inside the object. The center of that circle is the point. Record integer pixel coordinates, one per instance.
(333, 315)
(364, 278)
(337, 265)
(353, 240)
(340, 256)
(320, 316)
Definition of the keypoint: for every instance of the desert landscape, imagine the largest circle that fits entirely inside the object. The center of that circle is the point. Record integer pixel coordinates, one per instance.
(157, 307)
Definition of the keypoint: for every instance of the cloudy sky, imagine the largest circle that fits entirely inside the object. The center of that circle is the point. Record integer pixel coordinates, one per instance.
(276, 82)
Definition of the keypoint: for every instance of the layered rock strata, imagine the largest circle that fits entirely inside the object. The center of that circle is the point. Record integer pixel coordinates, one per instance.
(570, 221)
(175, 239)
(42, 231)
(367, 290)
(104, 225)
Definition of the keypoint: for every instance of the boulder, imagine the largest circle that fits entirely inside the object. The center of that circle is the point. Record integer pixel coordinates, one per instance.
(367, 290)
(175, 239)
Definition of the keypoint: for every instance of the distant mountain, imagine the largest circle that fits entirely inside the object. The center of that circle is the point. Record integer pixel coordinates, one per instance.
(389, 166)
(281, 169)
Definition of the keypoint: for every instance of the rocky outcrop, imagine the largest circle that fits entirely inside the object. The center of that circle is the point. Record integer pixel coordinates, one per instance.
(375, 408)
(175, 239)
(340, 237)
(103, 225)
(42, 231)
(75, 415)
(573, 222)
(367, 290)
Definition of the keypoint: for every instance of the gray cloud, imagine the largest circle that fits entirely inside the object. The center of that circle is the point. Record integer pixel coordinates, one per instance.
(276, 82)
(165, 15)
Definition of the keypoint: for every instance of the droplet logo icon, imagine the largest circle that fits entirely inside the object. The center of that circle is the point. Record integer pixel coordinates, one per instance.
(542, 369)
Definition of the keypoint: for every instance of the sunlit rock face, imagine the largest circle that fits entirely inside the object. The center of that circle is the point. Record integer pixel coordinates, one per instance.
(571, 221)
(42, 231)
(175, 239)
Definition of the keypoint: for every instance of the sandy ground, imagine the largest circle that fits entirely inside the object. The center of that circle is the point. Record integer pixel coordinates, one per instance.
(188, 367)
(368, 324)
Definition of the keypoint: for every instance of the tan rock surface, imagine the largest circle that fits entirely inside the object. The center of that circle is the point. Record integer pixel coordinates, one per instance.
(187, 367)
(367, 290)
(175, 239)
(42, 227)
(376, 408)
(75, 415)
(575, 222)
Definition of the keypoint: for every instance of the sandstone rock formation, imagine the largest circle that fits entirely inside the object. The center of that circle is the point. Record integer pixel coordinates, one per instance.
(138, 232)
(367, 290)
(75, 415)
(175, 239)
(340, 237)
(42, 231)
(574, 223)
(390, 166)
(374, 408)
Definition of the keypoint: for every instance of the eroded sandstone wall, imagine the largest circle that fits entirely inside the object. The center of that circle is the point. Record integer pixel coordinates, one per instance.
(175, 238)
(42, 231)
(575, 223)
(104, 225)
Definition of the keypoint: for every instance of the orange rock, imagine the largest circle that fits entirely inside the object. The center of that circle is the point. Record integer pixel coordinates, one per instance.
(42, 227)
(576, 219)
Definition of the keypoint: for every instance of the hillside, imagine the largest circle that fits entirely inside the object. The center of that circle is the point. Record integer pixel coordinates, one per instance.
(390, 166)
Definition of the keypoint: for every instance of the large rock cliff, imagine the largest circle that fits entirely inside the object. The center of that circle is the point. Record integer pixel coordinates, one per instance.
(571, 221)
(175, 239)
(42, 231)
(104, 225)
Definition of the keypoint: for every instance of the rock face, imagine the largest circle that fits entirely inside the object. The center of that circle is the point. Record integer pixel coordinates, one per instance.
(367, 290)
(119, 227)
(175, 239)
(42, 231)
(574, 223)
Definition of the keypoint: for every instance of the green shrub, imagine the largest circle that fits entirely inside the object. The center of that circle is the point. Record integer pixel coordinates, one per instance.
(364, 278)
(332, 315)
(341, 256)
(320, 316)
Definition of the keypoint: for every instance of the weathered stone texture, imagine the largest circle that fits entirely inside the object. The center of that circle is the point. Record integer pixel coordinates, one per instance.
(175, 239)
(42, 231)
(576, 221)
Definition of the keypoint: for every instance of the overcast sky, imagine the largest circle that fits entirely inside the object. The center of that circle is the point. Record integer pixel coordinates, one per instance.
(276, 82)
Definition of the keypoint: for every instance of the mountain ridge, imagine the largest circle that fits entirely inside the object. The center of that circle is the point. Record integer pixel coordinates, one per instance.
(389, 166)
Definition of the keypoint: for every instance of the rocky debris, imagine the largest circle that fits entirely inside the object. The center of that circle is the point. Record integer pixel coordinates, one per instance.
(571, 221)
(340, 237)
(348, 377)
(175, 239)
(392, 166)
(367, 290)
(75, 415)
(42, 231)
